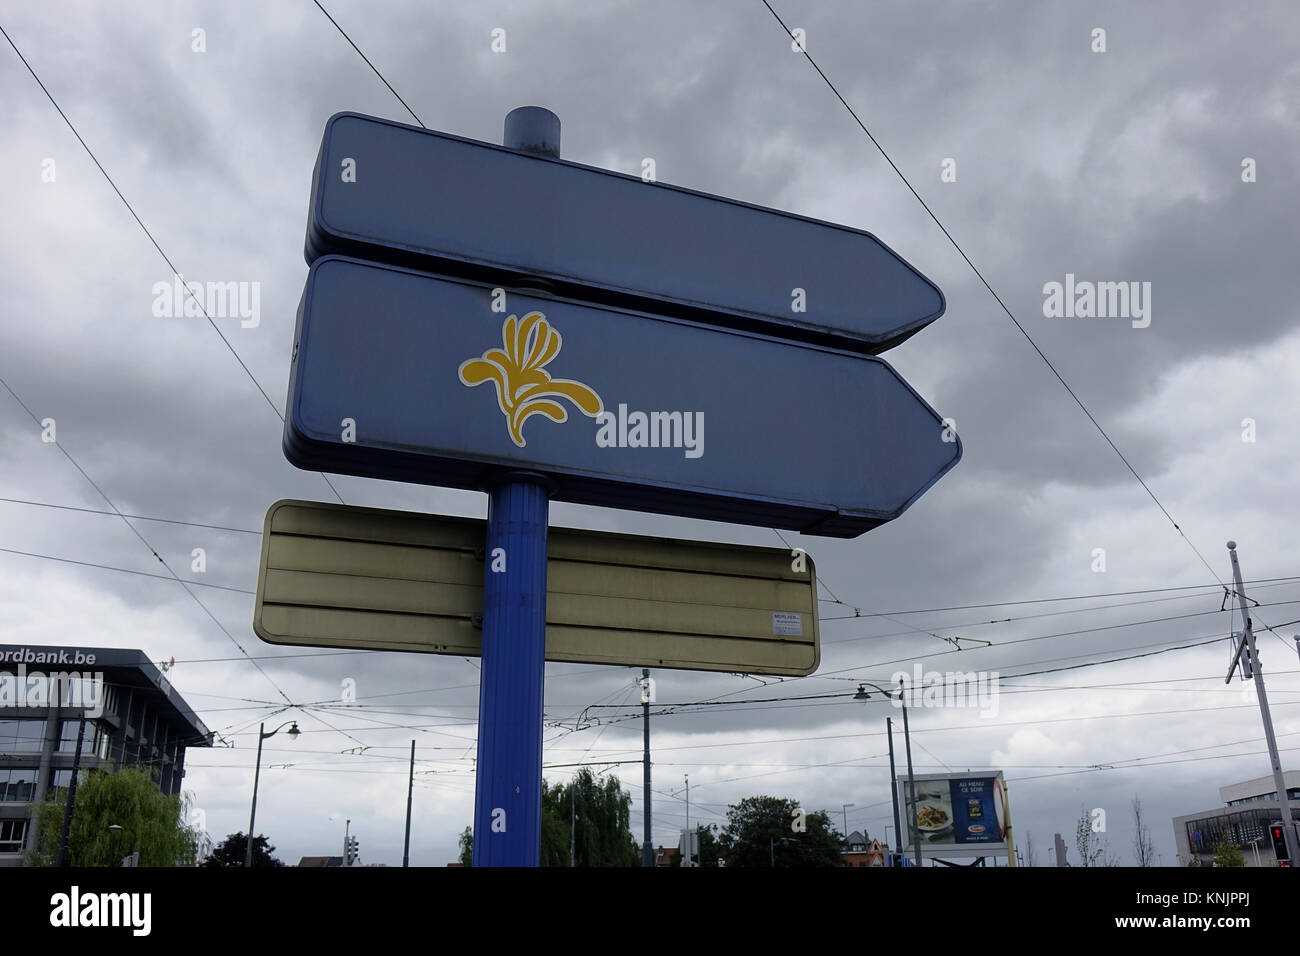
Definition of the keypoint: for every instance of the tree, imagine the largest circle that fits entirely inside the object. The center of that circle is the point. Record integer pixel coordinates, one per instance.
(601, 817)
(1085, 839)
(597, 815)
(555, 824)
(467, 847)
(151, 823)
(1225, 854)
(233, 850)
(1029, 848)
(1143, 848)
(767, 831)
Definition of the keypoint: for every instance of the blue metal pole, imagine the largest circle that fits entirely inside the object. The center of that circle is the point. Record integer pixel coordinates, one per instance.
(508, 797)
(508, 794)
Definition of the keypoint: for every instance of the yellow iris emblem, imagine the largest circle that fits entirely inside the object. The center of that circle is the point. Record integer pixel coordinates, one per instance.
(524, 387)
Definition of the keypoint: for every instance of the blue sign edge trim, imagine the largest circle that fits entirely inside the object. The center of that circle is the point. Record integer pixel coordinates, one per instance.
(313, 453)
(323, 240)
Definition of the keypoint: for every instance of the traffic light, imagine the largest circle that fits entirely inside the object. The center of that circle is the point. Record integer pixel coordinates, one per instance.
(1278, 836)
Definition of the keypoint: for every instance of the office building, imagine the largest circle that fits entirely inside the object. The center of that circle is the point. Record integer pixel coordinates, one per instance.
(130, 712)
(1249, 808)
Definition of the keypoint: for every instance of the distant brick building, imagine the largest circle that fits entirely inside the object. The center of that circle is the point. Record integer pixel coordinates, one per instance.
(863, 851)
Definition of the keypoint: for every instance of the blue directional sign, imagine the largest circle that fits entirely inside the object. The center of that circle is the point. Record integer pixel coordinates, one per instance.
(409, 196)
(401, 375)
(689, 355)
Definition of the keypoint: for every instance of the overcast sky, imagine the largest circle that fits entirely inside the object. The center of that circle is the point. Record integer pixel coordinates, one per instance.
(1116, 166)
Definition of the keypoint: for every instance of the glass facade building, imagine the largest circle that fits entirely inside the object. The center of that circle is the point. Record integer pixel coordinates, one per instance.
(1249, 809)
(117, 701)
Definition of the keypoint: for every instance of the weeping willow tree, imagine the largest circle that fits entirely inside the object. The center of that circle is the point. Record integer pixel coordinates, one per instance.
(594, 814)
(152, 823)
(598, 812)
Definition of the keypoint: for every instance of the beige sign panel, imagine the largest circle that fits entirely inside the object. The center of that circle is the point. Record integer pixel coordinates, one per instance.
(336, 576)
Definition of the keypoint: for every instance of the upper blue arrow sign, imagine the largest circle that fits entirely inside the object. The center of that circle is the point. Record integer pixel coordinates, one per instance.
(460, 207)
(401, 375)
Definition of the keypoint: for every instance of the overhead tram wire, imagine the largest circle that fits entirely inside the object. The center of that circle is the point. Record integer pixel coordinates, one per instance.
(831, 600)
(423, 728)
(109, 567)
(1074, 597)
(831, 675)
(1289, 646)
(1099, 768)
(1259, 583)
(1195, 642)
(1117, 765)
(695, 707)
(374, 68)
(978, 274)
(1074, 633)
(1146, 687)
(1112, 764)
(166, 258)
(828, 698)
(690, 708)
(1198, 642)
(144, 541)
(1089, 630)
(1054, 689)
(1281, 582)
(1207, 588)
(1030, 617)
(99, 511)
(314, 712)
(857, 761)
(853, 764)
(945, 729)
(954, 641)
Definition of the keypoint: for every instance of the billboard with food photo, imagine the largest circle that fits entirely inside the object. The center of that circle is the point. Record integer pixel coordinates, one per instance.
(956, 814)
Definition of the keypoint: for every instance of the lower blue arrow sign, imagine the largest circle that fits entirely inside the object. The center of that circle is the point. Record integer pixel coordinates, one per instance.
(407, 376)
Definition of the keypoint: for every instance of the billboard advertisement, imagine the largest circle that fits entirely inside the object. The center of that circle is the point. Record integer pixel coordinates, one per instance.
(956, 814)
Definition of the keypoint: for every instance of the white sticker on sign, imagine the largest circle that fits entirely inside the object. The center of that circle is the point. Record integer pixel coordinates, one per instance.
(787, 624)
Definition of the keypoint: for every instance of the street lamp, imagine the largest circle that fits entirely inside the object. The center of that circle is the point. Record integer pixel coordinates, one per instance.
(257, 771)
(114, 831)
(911, 778)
